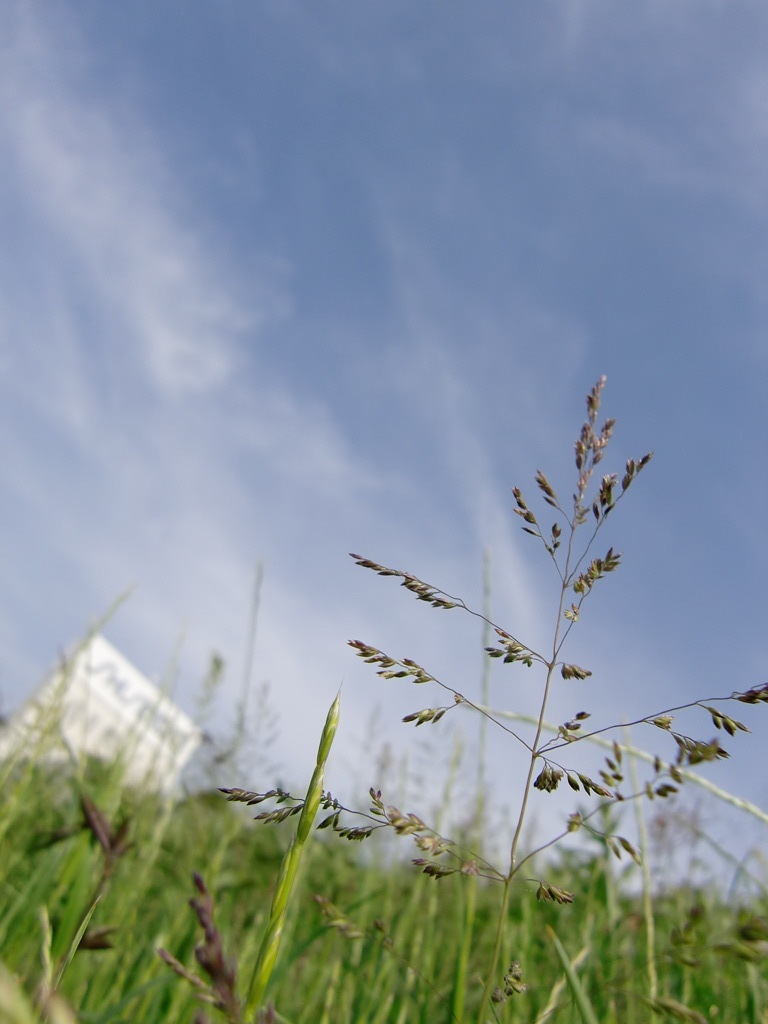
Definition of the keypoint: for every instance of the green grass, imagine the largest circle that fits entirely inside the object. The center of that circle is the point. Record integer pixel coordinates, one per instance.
(393, 951)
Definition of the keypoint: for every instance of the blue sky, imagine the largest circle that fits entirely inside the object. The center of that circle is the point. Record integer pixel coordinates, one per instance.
(286, 280)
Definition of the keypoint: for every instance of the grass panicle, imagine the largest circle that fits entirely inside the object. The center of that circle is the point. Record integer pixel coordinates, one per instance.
(569, 544)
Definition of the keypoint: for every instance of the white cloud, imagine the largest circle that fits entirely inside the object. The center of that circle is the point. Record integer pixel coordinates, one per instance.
(94, 177)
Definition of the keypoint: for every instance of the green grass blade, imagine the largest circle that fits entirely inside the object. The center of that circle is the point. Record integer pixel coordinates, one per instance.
(583, 1004)
(465, 948)
(66, 960)
(270, 945)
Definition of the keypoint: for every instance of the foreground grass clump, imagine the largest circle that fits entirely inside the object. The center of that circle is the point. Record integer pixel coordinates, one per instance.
(388, 956)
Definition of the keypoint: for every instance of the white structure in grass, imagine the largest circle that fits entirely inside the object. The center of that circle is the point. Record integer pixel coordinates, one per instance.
(100, 704)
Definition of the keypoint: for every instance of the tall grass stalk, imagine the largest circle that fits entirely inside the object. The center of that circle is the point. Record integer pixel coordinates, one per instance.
(645, 867)
(578, 572)
(241, 723)
(584, 1006)
(286, 880)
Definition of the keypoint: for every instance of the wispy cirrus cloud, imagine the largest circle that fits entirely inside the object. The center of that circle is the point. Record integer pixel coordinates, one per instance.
(92, 178)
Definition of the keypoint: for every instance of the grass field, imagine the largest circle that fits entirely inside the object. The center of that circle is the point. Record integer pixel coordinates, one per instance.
(363, 942)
